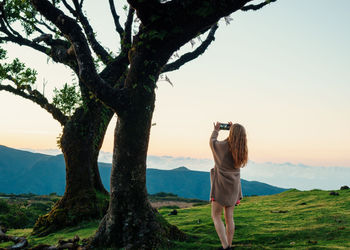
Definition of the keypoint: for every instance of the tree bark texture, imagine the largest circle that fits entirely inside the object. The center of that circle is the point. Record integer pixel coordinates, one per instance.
(131, 222)
(85, 197)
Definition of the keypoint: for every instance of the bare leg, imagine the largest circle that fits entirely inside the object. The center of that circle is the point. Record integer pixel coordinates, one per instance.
(216, 212)
(230, 225)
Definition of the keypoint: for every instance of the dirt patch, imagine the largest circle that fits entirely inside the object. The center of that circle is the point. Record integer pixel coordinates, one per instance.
(180, 204)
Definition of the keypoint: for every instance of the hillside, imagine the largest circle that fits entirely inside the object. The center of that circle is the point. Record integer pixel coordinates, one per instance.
(292, 219)
(25, 172)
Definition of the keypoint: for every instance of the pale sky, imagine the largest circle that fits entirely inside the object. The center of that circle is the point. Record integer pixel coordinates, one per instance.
(282, 72)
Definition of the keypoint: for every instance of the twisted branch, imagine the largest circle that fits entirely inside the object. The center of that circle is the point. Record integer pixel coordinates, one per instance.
(36, 97)
(257, 6)
(95, 45)
(194, 54)
(126, 40)
(116, 17)
(114, 98)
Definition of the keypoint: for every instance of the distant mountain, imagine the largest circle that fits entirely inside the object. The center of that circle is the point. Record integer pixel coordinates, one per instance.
(25, 172)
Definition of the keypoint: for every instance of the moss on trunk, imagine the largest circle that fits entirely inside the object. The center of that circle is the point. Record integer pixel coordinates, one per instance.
(68, 212)
(85, 197)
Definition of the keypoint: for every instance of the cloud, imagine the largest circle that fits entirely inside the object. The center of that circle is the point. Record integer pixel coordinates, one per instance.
(286, 175)
(50, 151)
(298, 176)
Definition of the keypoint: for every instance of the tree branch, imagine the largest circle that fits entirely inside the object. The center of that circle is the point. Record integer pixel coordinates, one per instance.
(95, 45)
(194, 54)
(9, 28)
(45, 25)
(115, 70)
(257, 6)
(59, 50)
(114, 98)
(23, 41)
(71, 10)
(35, 27)
(126, 40)
(146, 9)
(118, 27)
(36, 97)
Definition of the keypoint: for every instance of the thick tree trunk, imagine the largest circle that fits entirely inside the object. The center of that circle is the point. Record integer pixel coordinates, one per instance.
(85, 197)
(131, 222)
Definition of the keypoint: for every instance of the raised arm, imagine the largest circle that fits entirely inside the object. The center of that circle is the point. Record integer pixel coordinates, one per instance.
(214, 135)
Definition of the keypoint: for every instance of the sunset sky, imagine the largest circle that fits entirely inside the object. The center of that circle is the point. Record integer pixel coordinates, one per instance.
(283, 72)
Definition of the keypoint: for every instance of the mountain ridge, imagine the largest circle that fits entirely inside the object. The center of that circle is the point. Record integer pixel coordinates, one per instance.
(44, 174)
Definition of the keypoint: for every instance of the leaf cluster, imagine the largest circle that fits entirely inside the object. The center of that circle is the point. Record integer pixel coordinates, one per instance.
(67, 99)
(17, 72)
(22, 11)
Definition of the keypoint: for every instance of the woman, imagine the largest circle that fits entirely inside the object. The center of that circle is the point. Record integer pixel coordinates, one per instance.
(229, 156)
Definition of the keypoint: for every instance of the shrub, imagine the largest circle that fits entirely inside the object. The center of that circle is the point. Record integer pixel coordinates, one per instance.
(4, 207)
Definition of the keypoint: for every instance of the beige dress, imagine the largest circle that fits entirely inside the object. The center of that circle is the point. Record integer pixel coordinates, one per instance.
(225, 179)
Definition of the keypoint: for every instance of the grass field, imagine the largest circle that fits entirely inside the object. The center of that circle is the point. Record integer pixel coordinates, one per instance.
(290, 220)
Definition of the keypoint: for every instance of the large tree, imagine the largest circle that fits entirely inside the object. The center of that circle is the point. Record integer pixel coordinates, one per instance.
(165, 27)
(83, 118)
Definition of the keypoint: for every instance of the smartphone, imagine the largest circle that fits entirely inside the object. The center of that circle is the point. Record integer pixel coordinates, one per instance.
(225, 126)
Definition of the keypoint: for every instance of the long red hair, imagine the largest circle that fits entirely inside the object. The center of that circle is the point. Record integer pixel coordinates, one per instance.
(238, 144)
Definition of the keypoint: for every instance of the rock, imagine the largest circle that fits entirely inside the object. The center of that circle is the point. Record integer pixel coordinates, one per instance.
(174, 212)
(42, 247)
(66, 246)
(344, 188)
(338, 220)
(3, 229)
(334, 193)
(76, 238)
(21, 242)
(279, 211)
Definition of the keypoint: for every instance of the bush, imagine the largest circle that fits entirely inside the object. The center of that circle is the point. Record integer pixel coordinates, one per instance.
(4, 207)
(21, 214)
(170, 207)
(163, 194)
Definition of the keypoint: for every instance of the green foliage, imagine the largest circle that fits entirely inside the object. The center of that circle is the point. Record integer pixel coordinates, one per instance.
(153, 79)
(204, 10)
(2, 54)
(22, 12)
(67, 99)
(4, 207)
(21, 214)
(148, 89)
(17, 72)
(153, 34)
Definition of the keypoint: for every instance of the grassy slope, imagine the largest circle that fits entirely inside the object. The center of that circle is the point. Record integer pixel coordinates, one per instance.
(323, 222)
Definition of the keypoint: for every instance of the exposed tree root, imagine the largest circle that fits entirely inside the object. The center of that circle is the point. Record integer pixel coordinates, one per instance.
(20, 242)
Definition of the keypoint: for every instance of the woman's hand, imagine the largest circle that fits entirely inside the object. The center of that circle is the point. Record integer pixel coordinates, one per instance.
(217, 126)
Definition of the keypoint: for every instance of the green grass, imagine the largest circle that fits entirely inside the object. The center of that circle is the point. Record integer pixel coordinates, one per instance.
(84, 230)
(312, 220)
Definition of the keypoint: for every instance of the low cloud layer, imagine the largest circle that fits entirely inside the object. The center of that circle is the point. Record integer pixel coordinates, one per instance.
(286, 175)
